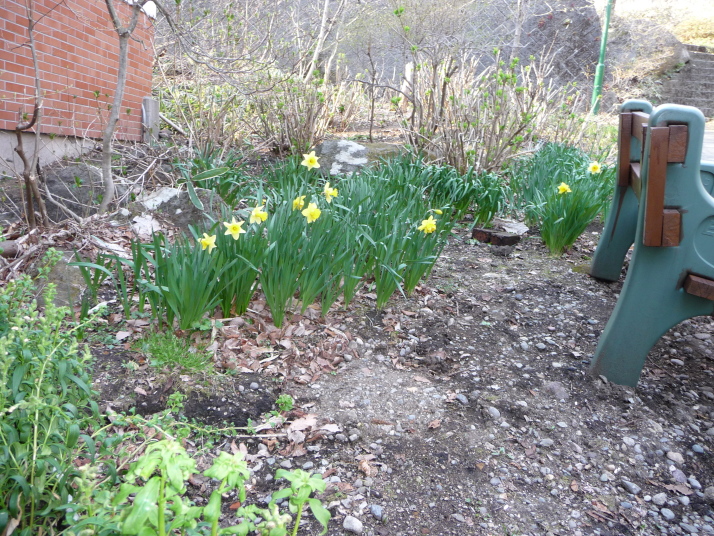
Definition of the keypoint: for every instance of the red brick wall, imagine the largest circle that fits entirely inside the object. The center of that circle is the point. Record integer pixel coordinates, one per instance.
(77, 51)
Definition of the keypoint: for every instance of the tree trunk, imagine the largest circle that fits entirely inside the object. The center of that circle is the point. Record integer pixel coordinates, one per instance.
(124, 34)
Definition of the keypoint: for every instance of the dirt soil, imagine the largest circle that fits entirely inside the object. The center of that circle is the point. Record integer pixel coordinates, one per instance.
(466, 408)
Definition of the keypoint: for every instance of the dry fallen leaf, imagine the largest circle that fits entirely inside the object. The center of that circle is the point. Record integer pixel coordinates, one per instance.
(308, 421)
(421, 379)
(140, 391)
(574, 485)
(681, 488)
(435, 423)
(367, 469)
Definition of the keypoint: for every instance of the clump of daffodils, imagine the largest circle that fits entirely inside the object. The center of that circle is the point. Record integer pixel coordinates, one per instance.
(310, 160)
(235, 228)
(311, 212)
(428, 225)
(258, 215)
(563, 188)
(299, 202)
(208, 242)
(329, 192)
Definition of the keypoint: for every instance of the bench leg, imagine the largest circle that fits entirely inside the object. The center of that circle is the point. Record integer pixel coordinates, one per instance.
(617, 237)
(650, 304)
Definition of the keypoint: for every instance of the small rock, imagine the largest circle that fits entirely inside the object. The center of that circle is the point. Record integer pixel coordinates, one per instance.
(308, 465)
(459, 518)
(676, 457)
(659, 499)
(254, 386)
(684, 500)
(667, 514)
(541, 346)
(631, 487)
(557, 389)
(352, 524)
(493, 412)
(691, 529)
(545, 442)
(462, 398)
(698, 449)
(709, 494)
(376, 511)
(285, 464)
(694, 483)
(677, 362)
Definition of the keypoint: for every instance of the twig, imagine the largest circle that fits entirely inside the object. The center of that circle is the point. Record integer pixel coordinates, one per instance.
(172, 124)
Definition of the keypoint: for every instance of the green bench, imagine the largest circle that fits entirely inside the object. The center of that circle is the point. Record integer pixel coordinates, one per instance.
(663, 204)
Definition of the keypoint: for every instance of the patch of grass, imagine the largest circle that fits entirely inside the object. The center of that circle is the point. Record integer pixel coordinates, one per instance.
(168, 350)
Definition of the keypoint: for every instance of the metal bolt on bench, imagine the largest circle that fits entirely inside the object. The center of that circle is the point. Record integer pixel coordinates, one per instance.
(663, 204)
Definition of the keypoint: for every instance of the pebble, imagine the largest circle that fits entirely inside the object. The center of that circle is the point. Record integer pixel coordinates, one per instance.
(462, 398)
(352, 524)
(493, 412)
(694, 483)
(676, 457)
(308, 465)
(285, 464)
(541, 346)
(698, 449)
(459, 518)
(254, 386)
(709, 494)
(376, 511)
(659, 499)
(545, 442)
(667, 514)
(631, 487)
(684, 500)
(676, 362)
(691, 529)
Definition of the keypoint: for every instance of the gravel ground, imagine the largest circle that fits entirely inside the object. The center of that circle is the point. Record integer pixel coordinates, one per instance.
(467, 408)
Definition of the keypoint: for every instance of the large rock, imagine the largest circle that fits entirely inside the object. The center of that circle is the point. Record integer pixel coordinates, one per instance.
(79, 187)
(343, 157)
(173, 207)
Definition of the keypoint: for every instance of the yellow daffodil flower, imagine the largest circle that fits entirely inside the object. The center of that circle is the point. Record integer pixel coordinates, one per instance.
(258, 215)
(564, 188)
(234, 228)
(311, 212)
(428, 225)
(594, 167)
(299, 202)
(208, 242)
(310, 160)
(330, 192)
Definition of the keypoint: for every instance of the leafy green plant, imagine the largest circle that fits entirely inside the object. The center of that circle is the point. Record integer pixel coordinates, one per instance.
(188, 278)
(45, 403)
(285, 402)
(562, 191)
(159, 506)
(166, 349)
(243, 258)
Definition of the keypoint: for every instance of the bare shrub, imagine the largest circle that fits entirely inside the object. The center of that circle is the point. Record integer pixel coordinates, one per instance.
(480, 121)
(293, 115)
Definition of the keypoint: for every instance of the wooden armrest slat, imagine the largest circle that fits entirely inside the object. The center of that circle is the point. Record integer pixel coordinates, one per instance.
(656, 179)
(639, 124)
(677, 143)
(699, 286)
(623, 143)
(635, 178)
